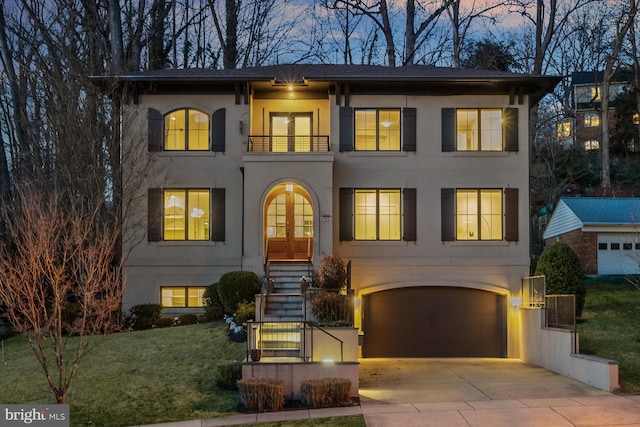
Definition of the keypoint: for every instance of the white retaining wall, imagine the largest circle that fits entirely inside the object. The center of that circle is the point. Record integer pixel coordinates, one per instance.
(553, 349)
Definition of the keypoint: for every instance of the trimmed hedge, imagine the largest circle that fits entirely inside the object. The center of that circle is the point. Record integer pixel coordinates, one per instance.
(563, 273)
(325, 392)
(236, 287)
(262, 394)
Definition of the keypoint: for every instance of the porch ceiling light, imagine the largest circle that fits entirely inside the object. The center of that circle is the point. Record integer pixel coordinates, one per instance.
(290, 84)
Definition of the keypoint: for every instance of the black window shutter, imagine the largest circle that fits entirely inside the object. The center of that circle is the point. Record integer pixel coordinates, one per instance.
(409, 129)
(346, 129)
(448, 129)
(510, 129)
(154, 214)
(447, 200)
(409, 210)
(218, 134)
(218, 204)
(346, 214)
(155, 139)
(511, 214)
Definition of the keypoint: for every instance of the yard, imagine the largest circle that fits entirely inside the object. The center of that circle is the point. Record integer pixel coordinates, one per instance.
(609, 327)
(135, 378)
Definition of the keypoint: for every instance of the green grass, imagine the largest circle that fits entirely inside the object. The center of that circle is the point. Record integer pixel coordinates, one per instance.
(609, 327)
(133, 378)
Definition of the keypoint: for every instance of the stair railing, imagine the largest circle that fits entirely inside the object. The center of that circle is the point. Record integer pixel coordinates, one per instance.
(313, 324)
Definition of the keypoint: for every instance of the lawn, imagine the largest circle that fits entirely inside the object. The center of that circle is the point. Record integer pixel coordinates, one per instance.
(609, 327)
(133, 378)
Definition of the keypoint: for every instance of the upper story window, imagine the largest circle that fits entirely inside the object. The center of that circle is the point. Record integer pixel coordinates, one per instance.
(180, 214)
(378, 214)
(186, 214)
(377, 129)
(479, 129)
(563, 130)
(591, 119)
(479, 214)
(595, 93)
(186, 129)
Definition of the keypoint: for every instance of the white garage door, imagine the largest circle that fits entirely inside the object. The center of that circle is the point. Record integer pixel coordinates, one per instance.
(618, 253)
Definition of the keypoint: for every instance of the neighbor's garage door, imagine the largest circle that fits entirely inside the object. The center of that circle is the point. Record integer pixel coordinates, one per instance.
(434, 322)
(617, 253)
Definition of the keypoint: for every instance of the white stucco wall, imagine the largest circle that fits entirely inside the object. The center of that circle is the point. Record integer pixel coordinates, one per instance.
(553, 349)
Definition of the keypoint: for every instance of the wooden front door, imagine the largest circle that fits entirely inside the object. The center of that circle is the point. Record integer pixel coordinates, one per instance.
(289, 223)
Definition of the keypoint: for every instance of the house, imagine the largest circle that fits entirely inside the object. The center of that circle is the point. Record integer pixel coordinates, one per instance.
(418, 176)
(584, 129)
(604, 233)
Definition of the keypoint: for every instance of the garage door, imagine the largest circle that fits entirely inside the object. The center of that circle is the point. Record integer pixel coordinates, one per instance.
(434, 322)
(618, 253)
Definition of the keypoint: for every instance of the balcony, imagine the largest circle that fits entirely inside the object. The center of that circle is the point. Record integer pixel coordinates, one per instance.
(288, 144)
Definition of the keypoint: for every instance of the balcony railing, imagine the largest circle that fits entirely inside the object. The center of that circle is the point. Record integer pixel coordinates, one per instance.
(288, 144)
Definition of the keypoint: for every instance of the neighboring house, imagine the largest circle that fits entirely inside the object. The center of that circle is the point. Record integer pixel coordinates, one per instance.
(417, 175)
(585, 130)
(604, 233)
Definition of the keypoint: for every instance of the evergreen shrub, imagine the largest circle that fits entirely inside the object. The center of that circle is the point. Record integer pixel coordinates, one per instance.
(213, 307)
(236, 287)
(563, 273)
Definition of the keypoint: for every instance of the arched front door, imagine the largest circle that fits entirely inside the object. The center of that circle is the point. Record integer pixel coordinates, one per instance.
(288, 223)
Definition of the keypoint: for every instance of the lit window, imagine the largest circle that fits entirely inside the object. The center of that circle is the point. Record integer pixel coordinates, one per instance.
(479, 130)
(377, 129)
(377, 214)
(186, 129)
(592, 144)
(182, 296)
(186, 214)
(564, 130)
(591, 119)
(595, 93)
(478, 214)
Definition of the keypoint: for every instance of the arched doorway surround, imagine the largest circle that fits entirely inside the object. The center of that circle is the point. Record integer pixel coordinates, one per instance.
(288, 223)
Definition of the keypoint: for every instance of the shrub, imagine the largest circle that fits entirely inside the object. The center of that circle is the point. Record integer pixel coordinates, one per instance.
(187, 319)
(228, 372)
(260, 394)
(325, 392)
(331, 309)
(245, 311)
(165, 322)
(332, 273)
(236, 287)
(563, 273)
(145, 316)
(213, 308)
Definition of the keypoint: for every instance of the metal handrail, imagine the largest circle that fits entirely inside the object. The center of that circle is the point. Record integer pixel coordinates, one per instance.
(253, 327)
(287, 144)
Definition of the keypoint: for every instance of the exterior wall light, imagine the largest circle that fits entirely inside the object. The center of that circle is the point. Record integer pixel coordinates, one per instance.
(516, 302)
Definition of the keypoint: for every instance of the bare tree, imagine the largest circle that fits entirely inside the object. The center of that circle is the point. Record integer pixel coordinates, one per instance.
(462, 16)
(415, 35)
(61, 253)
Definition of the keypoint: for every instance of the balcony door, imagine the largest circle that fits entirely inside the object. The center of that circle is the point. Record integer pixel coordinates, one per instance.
(291, 132)
(288, 223)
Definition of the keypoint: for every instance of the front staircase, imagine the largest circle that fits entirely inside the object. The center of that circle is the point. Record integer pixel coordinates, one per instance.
(281, 335)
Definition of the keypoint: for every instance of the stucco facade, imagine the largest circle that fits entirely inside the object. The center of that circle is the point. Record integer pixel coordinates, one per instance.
(422, 171)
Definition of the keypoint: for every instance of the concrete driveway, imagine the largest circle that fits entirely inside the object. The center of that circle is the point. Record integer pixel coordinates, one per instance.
(483, 392)
(466, 393)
